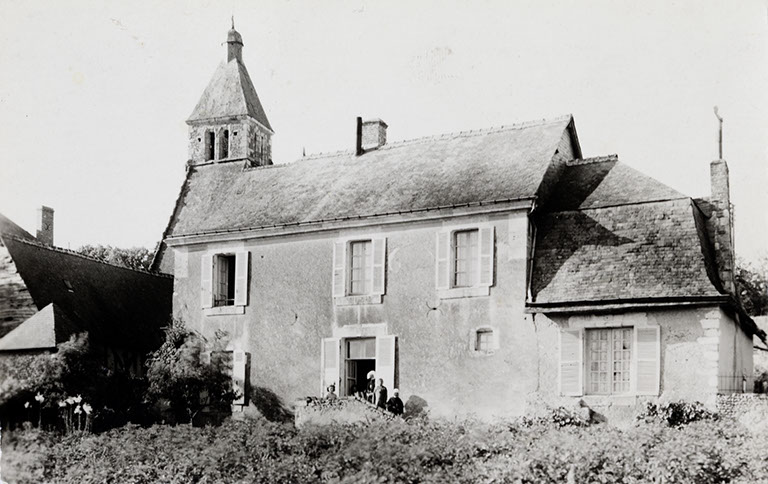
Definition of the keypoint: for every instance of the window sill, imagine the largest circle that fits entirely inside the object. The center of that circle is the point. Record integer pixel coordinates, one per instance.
(482, 354)
(358, 300)
(459, 292)
(610, 400)
(224, 310)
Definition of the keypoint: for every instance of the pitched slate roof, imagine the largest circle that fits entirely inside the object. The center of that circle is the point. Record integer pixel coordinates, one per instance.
(9, 227)
(453, 169)
(613, 234)
(230, 93)
(115, 305)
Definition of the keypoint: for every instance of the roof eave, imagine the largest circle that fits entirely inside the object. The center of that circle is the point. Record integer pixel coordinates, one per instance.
(613, 305)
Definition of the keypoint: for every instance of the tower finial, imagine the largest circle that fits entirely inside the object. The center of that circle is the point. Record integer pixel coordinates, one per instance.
(720, 118)
(233, 22)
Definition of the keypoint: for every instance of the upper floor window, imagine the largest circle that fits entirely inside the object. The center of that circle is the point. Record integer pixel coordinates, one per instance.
(359, 267)
(224, 271)
(224, 281)
(465, 261)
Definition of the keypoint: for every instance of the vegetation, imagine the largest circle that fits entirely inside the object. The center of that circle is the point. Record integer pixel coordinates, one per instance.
(752, 286)
(179, 378)
(258, 451)
(133, 258)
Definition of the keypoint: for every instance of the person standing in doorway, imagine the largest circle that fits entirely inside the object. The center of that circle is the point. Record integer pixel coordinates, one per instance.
(380, 394)
(370, 386)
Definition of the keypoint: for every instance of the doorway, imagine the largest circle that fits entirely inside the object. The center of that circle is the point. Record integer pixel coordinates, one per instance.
(360, 358)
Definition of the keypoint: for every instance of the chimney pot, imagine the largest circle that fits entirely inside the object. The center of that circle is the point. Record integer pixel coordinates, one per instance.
(45, 225)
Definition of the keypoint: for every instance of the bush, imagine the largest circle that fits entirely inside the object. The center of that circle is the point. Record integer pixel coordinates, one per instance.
(178, 376)
(676, 414)
(259, 451)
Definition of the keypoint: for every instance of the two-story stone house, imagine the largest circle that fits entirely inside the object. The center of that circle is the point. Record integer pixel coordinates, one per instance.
(480, 271)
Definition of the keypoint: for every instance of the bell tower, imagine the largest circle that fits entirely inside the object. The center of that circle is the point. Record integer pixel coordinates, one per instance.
(229, 124)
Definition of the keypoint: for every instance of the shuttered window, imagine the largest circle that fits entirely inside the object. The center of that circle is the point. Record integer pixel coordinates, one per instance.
(610, 361)
(465, 259)
(224, 280)
(359, 267)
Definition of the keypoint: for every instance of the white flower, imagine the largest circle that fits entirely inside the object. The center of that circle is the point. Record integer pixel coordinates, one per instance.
(26, 404)
(62, 403)
(40, 398)
(78, 409)
(70, 400)
(87, 408)
(78, 399)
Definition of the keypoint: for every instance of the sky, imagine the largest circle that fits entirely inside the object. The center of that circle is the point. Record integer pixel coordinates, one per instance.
(94, 95)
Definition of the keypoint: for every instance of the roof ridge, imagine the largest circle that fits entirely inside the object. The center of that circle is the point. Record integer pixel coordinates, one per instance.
(87, 257)
(451, 134)
(594, 159)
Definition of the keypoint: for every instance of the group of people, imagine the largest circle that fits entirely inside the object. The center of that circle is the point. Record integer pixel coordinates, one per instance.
(375, 393)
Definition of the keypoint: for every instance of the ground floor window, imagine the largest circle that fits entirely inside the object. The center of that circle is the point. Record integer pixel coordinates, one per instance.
(609, 360)
(360, 355)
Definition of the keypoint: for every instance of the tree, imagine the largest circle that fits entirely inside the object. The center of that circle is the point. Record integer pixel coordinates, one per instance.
(752, 286)
(133, 258)
(178, 375)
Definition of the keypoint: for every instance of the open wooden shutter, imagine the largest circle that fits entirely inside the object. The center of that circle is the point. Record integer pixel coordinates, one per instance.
(241, 279)
(239, 378)
(571, 362)
(386, 360)
(330, 356)
(486, 256)
(339, 269)
(379, 265)
(206, 281)
(443, 266)
(647, 360)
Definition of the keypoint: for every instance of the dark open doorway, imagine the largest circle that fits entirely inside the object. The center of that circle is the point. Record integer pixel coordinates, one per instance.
(360, 356)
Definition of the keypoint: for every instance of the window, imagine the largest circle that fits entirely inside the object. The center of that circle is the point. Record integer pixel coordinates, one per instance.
(484, 340)
(609, 360)
(224, 145)
(209, 144)
(465, 262)
(359, 269)
(224, 294)
(464, 258)
(224, 282)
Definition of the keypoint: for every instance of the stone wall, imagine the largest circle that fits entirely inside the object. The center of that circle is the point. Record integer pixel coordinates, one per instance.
(751, 409)
(317, 411)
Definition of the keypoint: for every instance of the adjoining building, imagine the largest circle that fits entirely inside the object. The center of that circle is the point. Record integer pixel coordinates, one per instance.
(480, 272)
(49, 294)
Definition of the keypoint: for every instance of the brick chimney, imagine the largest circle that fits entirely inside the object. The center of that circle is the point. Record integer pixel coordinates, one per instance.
(721, 223)
(374, 134)
(45, 225)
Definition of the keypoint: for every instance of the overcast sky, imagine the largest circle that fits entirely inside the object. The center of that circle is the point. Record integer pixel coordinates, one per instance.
(94, 95)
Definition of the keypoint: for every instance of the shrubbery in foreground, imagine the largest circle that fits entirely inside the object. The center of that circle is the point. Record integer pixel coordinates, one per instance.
(263, 452)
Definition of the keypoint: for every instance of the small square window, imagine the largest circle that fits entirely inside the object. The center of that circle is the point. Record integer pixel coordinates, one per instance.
(484, 340)
(224, 283)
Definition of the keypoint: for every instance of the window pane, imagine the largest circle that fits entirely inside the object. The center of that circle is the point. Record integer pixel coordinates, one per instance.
(483, 340)
(465, 258)
(610, 356)
(361, 348)
(358, 270)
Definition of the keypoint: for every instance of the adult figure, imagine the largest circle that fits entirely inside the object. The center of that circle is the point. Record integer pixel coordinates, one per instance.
(371, 385)
(394, 404)
(380, 394)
